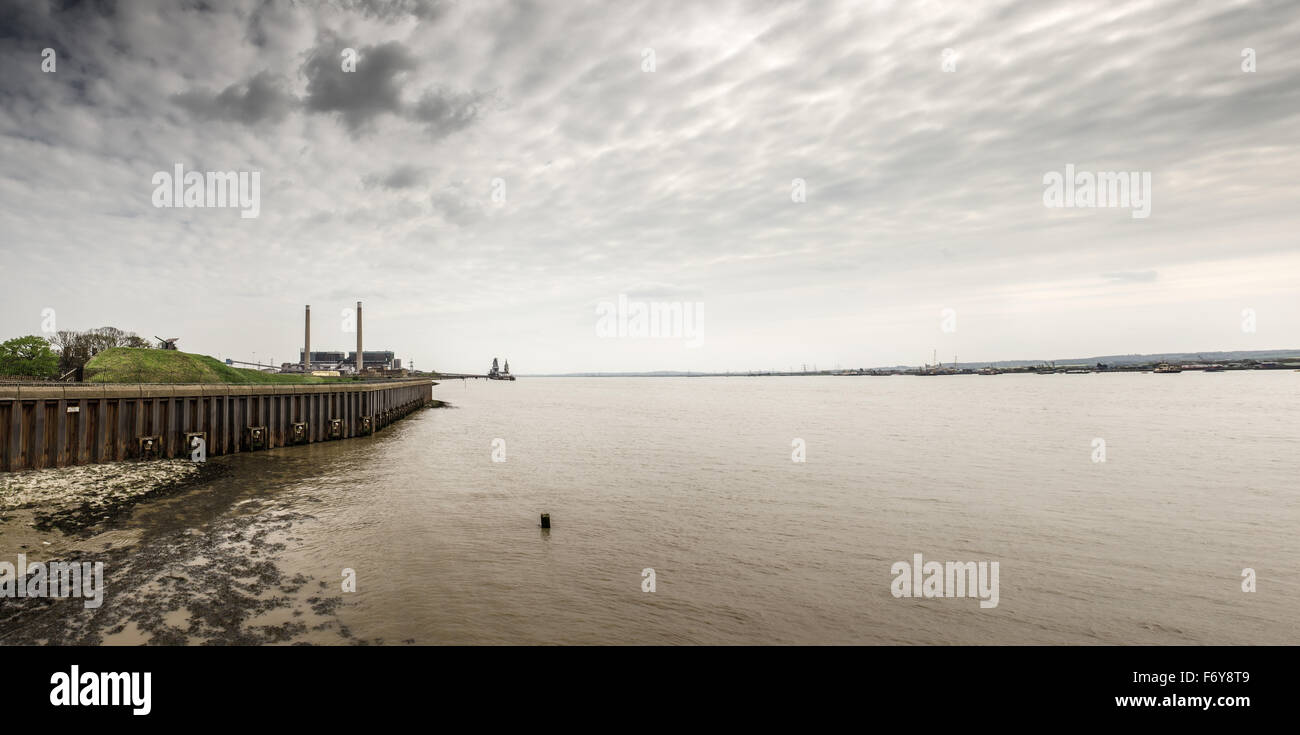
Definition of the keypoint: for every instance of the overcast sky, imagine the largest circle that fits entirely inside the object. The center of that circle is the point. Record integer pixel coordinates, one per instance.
(924, 187)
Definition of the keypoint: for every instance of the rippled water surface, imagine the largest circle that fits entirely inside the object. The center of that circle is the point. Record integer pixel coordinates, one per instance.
(693, 477)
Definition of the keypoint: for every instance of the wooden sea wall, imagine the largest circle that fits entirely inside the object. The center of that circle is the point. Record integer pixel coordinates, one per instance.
(59, 425)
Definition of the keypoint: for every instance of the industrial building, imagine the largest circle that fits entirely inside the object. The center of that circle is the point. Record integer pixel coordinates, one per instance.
(347, 361)
(339, 361)
(377, 359)
(325, 360)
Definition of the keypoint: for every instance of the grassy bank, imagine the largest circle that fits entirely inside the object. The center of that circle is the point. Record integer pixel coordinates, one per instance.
(129, 365)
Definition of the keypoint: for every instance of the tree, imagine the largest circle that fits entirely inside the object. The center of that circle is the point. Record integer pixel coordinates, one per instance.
(76, 348)
(73, 349)
(29, 356)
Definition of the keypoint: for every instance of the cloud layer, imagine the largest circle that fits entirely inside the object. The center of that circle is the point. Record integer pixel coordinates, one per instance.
(492, 171)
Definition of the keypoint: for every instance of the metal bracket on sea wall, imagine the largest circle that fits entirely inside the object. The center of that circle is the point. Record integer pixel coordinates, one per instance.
(254, 438)
(336, 429)
(147, 447)
(299, 433)
(367, 425)
(189, 440)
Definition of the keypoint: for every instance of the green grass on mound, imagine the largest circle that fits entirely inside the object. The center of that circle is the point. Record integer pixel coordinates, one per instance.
(132, 365)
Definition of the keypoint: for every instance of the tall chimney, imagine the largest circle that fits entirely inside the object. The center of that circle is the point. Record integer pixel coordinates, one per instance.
(360, 354)
(306, 342)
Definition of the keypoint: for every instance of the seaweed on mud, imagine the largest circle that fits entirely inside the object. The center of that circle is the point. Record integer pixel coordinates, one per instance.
(77, 518)
(188, 588)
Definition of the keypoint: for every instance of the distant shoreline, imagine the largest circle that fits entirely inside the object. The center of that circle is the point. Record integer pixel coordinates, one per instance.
(1288, 359)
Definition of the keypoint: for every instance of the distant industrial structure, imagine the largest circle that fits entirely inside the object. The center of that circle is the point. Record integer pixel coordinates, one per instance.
(496, 373)
(346, 362)
(340, 362)
(362, 362)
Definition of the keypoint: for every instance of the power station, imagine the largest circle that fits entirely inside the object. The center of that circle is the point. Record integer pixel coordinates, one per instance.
(340, 362)
(360, 361)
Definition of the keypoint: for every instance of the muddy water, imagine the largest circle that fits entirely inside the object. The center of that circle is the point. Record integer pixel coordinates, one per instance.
(694, 479)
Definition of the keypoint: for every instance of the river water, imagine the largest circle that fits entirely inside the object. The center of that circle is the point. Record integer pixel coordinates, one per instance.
(694, 478)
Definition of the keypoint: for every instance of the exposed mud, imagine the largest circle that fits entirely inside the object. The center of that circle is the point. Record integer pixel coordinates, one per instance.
(221, 586)
(72, 499)
(218, 585)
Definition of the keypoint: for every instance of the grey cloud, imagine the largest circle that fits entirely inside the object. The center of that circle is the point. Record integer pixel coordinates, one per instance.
(402, 177)
(377, 88)
(374, 89)
(457, 205)
(262, 98)
(425, 10)
(32, 20)
(270, 21)
(444, 112)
